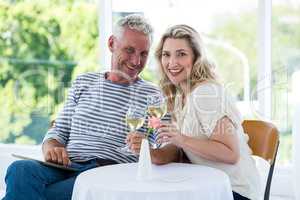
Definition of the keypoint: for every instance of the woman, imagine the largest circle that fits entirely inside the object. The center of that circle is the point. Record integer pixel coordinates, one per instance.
(207, 125)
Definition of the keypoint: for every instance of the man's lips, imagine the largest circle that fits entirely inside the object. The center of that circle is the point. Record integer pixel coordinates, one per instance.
(133, 68)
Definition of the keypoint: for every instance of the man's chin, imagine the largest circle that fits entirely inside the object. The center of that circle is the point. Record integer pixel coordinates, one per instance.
(132, 74)
(133, 78)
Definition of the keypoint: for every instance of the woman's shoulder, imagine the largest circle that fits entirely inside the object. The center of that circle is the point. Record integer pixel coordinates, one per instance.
(208, 96)
(208, 88)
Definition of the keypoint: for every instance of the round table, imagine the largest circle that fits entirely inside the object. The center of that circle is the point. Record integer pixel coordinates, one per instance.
(174, 181)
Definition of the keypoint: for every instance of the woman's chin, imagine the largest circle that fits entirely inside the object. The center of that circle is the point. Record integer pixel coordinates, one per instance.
(174, 82)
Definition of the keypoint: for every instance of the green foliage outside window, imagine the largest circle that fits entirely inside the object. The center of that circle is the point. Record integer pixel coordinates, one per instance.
(42, 47)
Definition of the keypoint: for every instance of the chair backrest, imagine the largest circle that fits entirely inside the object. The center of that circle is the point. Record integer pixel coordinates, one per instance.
(263, 138)
(264, 142)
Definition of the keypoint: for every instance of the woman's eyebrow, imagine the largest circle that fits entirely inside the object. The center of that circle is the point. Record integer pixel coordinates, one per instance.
(178, 50)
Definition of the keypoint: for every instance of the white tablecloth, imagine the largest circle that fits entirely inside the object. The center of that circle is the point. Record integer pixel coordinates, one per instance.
(175, 181)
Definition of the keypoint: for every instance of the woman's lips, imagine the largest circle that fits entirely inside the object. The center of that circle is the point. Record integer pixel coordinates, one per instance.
(175, 72)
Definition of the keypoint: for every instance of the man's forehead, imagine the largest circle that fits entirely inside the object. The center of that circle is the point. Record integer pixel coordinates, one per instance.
(135, 38)
(134, 34)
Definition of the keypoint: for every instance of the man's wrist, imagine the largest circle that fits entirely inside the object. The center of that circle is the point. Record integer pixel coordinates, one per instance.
(50, 143)
(153, 153)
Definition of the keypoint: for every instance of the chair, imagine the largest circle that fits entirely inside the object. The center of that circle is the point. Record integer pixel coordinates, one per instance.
(264, 142)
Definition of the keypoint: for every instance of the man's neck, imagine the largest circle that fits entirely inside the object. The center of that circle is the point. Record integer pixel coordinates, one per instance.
(117, 78)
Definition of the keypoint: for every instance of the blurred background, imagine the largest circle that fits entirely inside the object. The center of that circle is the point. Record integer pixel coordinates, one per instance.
(45, 44)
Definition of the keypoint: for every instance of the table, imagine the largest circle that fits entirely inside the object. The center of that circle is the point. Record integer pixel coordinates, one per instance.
(174, 181)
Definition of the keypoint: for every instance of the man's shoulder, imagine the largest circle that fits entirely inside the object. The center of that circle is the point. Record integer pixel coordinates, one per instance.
(88, 77)
(147, 85)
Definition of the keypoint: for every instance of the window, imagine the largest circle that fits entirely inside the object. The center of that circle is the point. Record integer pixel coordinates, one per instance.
(43, 46)
(285, 63)
(231, 46)
(230, 30)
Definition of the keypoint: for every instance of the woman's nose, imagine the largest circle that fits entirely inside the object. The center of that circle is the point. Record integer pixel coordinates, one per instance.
(173, 61)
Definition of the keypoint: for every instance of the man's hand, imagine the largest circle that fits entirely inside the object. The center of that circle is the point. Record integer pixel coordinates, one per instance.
(55, 152)
(134, 141)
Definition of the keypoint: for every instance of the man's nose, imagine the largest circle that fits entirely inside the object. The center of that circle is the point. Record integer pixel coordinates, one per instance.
(136, 59)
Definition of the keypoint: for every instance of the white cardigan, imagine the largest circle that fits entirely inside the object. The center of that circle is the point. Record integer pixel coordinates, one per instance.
(205, 105)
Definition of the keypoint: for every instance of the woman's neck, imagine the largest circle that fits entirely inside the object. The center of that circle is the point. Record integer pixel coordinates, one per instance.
(184, 90)
(185, 87)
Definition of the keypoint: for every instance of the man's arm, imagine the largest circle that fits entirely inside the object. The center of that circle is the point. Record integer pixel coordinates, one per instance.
(54, 151)
(168, 153)
(54, 142)
(164, 155)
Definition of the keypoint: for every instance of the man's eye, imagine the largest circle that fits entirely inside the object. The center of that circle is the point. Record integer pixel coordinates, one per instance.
(130, 50)
(145, 54)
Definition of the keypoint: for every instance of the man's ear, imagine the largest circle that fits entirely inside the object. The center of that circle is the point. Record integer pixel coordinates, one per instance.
(111, 43)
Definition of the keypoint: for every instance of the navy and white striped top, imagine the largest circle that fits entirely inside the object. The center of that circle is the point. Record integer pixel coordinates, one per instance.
(92, 122)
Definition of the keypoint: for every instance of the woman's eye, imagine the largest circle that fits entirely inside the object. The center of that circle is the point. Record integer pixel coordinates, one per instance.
(165, 55)
(181, 54)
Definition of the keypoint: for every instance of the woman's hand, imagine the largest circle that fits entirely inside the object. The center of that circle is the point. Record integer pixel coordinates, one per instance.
(168, 133)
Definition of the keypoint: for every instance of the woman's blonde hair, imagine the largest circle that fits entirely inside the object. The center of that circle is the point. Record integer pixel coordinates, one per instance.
(202, 69)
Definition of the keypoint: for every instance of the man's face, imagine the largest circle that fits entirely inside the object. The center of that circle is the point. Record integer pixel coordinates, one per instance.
(129, 53)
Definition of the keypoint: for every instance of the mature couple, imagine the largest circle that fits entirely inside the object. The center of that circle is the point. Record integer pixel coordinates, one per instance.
(88, 131)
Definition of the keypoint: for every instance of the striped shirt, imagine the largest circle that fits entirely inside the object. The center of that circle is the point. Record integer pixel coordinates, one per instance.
(92, 122)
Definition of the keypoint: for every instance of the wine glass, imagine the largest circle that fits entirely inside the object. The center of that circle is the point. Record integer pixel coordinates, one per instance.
(157, 105)
(135, 118)
(157, 108)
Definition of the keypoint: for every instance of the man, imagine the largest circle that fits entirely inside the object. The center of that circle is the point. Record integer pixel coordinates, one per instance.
(91, 127)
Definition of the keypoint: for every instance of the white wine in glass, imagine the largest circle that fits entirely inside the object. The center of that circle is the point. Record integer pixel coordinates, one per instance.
(157, 107)
(135, 123)
(135, 118)
(157, 111)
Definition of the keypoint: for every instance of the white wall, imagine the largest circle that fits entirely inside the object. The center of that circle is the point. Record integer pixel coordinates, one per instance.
(6, 158)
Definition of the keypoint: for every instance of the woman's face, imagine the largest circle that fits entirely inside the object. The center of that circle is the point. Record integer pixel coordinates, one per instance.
(177, 60)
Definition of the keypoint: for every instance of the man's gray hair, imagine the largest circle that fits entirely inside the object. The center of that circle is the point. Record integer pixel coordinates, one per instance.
(135, 22)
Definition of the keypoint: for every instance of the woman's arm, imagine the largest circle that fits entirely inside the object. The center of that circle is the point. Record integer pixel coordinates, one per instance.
(222, 146)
